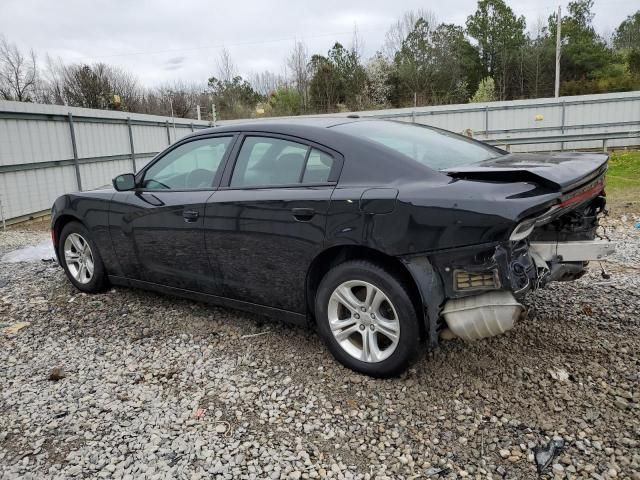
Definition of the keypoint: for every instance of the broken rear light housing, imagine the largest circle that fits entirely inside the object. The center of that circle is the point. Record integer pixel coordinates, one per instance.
(580, 194)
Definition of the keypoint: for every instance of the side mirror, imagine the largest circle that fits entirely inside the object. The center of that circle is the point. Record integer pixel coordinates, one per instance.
(124, 182)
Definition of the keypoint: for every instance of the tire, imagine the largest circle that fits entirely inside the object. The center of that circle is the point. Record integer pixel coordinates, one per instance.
(73, 235)
(380, 341)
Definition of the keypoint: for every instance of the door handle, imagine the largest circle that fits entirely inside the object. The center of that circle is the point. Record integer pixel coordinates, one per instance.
(190, 215)
(303, 214)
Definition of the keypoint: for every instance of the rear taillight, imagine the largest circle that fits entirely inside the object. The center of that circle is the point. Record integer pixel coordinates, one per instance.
(583, 193)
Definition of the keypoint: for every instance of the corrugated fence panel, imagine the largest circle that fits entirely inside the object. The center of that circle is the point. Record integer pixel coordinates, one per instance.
(28, 141)
(29, 191)
(101, 139)
(141, 161)
(41, 135)
(98, 174)
(149, 139)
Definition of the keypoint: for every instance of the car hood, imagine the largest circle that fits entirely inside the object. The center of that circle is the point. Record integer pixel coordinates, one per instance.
(560, 171)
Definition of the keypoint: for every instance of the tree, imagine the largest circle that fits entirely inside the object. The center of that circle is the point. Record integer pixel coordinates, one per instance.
(92, 86)
(178, 98)
(436, 64)
(627, 35)
(398, 32)
(265, 83)
(325, 85)
(338, 78)
(458, 67)
(87, 86)
(285, 101)
(584, 53)
(298, 62)
(633, 61)
(227, 70)
(486, 91)
(500, 36)
(414, 61)
(234, 96)
(378, 89)
(18, 73)
(351, 74)
(538, 62)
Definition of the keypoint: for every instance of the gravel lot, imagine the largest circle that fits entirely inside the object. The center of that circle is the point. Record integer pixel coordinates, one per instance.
(111, 386)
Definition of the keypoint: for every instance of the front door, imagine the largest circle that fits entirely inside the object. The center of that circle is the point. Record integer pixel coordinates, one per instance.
(157, 229)
(267, 223)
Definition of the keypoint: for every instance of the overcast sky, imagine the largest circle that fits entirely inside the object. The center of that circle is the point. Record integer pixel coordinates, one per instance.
(161, 40)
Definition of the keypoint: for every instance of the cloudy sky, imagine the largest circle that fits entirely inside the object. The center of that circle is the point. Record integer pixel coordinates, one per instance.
(163, 40)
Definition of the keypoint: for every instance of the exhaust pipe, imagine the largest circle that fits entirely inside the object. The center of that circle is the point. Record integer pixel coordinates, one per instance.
(482, 316)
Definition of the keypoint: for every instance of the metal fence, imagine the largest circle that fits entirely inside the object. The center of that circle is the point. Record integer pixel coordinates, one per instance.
(47, 150)
(568, 123)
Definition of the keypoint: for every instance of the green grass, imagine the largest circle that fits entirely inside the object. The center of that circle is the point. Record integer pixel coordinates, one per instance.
(623, 176)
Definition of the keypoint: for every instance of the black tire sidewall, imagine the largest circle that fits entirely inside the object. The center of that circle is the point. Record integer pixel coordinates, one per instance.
(409, 341)
(98, 282)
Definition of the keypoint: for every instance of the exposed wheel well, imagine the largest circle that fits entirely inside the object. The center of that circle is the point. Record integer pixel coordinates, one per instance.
(335, 255)
(61, 221)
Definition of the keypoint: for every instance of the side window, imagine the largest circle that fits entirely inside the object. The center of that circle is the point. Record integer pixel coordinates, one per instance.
(318, 167)
(268, 161)
(190, 166)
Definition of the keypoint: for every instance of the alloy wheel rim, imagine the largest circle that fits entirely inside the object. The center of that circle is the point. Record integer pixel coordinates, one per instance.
(363, 321)
(79, 258)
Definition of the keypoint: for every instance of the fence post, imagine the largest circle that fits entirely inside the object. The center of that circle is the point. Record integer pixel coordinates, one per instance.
(75, 152)
(168, 133)
(604, 145)
(4, 223)
(413, 116)
(486, 121)
(562, 125)
(192, 128)
(133, 151)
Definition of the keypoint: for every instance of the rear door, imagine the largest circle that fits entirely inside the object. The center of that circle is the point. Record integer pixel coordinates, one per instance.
(157, 229)
(266, 223)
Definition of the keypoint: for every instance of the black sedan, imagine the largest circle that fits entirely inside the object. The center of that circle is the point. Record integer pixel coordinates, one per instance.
(385, 236)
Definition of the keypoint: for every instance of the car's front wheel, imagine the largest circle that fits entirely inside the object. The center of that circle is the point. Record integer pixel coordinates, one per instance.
(367, 319)
(81, 259)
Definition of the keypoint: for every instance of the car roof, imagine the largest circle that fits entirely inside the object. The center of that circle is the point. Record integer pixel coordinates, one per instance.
(283, 125)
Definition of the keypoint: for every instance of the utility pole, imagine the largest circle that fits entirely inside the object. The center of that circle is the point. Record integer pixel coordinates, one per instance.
(198, 111)
(173, 118)
(558, 41)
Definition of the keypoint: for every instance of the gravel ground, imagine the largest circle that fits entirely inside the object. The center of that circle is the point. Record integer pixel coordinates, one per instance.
(130, 384)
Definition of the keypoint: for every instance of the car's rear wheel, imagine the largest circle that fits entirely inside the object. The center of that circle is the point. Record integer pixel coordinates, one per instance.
(81, 259)
(367, 319)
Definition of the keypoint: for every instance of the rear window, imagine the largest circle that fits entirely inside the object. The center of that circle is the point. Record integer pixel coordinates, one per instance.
(436, 149)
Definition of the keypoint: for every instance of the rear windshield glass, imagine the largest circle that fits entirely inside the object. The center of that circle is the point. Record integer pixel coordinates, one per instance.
(434, 148)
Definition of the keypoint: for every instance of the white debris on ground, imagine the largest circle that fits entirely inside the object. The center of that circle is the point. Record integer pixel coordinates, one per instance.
(31, 253)
(129, 384)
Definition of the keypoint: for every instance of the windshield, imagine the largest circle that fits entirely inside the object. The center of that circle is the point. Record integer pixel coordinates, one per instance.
(434, 148)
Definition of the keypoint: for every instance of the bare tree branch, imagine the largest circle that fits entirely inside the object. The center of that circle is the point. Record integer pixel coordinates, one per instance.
(18, 73)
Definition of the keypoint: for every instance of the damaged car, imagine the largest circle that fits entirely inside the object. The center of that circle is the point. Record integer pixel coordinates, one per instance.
(382, 235)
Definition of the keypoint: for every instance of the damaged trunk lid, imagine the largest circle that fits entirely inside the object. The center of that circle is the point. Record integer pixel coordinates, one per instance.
(558, 171)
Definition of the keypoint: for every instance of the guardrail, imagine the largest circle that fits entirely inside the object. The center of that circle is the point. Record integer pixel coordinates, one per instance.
(585, 137)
